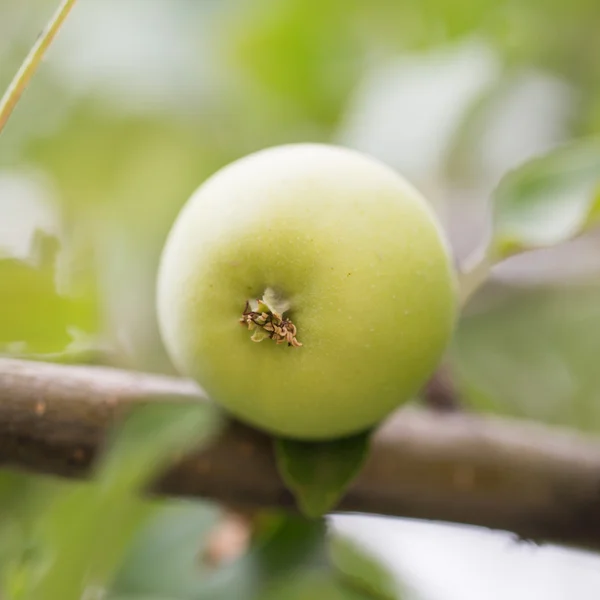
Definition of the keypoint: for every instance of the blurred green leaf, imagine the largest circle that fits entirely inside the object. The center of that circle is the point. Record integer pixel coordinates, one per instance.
(317, 584)
(318, 473)
(35, 317)
(283, 547)
(21, 498)
(121, 180)
(85, 532)
(548, 200)
(285, 543)
(361, 570)
(167, 557)
(129, 162)
(534, 355)
(305, 53)
(142, 597)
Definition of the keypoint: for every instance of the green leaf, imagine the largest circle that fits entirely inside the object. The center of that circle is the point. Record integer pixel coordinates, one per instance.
(166, 558)
(153, 436)
(21, 498)
(142, 597)
(86, 531)
(548, 200)
(35, 318)
(303, 54)
(284, 547)
(315, 584)
(361, 570)
(533, 354)
(318, 473)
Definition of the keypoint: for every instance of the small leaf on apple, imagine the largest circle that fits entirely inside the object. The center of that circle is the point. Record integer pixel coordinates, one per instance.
(548, 200)
(318, 473)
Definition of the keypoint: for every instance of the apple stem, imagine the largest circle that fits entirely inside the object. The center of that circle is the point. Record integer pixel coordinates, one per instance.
(262, 317)
(474, 272)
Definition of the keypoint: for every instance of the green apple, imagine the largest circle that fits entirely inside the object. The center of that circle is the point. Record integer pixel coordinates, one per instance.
(308, 289)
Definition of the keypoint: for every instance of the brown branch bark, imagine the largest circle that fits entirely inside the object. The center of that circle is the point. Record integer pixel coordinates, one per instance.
(541, 483)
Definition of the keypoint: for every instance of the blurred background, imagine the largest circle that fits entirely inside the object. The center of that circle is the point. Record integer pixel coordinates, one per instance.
(139, 101)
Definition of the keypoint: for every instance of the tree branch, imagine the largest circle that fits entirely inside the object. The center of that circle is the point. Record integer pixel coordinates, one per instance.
(540, 483)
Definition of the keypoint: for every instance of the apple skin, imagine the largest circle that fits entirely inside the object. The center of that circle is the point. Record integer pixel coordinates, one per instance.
(361, 259)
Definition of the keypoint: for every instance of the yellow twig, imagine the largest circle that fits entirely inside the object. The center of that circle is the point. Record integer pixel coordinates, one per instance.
(30, 64)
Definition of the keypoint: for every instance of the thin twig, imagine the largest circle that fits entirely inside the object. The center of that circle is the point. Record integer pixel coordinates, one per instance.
(474, 272)
(32, 61)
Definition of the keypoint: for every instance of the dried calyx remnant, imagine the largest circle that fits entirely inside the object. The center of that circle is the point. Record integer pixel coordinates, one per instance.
(265, 318)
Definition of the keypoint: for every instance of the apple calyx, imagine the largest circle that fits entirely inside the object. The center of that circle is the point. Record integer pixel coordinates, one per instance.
(265, 318)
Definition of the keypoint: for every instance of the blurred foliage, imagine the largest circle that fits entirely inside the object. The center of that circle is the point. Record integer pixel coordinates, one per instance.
(33, 310)
(67, 538)
(287, 557)
(534, 354)
(362, 571)
(136, 105)
(122, 164)
(548, 201)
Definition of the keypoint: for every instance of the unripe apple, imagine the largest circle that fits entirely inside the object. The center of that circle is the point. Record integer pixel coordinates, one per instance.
(308, 289)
